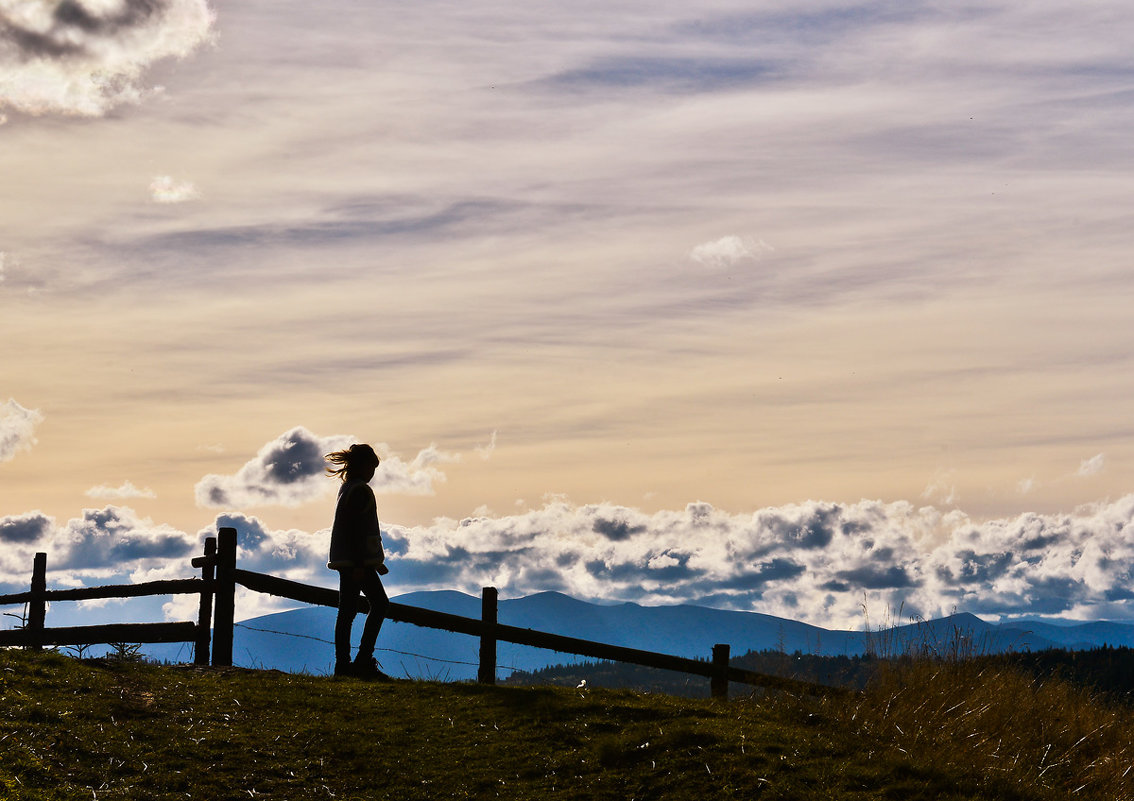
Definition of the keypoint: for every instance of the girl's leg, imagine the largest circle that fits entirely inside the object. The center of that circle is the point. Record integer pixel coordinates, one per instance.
(348, 604)
(376, 594)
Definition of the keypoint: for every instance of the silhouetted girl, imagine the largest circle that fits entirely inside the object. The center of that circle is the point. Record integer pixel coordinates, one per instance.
(356, 552)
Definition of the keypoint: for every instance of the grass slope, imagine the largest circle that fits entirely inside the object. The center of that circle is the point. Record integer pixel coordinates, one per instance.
(107, 730)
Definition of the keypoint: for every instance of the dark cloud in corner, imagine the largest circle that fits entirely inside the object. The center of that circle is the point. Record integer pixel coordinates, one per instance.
(76, 57)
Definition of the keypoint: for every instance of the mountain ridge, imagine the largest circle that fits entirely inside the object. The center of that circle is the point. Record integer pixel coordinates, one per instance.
(301, 640)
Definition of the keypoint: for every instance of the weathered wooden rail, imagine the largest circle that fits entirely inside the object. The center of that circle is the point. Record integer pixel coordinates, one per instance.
(35, 634)
(217, 587)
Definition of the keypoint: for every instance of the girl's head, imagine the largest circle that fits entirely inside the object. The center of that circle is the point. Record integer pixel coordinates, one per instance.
(357, 461)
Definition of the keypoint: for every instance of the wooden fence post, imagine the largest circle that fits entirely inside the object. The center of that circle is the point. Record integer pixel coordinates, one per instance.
(486, 673)
(719, 681)
(205, 613)
(224, 612)
(37, 607)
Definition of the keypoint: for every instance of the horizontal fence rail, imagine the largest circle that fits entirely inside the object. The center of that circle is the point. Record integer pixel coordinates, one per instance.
(36, 634)
(165, 587)
(109, 633)
(428, 618)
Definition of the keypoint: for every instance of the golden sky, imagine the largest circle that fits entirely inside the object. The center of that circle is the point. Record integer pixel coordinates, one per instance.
(632, 254)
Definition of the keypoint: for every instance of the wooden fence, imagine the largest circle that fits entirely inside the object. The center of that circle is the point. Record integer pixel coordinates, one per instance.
(217, 588)
(35, 634)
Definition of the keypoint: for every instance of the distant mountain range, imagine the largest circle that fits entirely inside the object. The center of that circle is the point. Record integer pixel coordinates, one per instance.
(302, 640)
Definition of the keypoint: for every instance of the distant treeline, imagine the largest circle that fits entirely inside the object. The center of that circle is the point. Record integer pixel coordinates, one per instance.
(1105, 671)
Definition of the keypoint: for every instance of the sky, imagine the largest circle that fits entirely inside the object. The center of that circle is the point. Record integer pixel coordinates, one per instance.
(802, 310)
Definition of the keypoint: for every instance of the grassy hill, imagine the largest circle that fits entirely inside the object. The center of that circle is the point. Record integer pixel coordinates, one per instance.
(128, 730)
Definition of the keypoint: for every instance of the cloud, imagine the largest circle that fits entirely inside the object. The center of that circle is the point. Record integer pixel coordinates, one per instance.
(729, 251)
(17, 429)
(84, 57)
(25, 529)
(814, 561)
(116, 538)
(1092, 466)
(164, 189)
(679, 75)
(395, 477)
(941, 488)
(290, 471)
(127, 490)
(485, 451)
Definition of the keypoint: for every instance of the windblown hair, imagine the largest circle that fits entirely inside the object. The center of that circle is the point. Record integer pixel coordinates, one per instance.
(356, 457)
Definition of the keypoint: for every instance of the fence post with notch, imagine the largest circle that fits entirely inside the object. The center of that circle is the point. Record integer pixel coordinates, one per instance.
(719, 679)
(208, 565)
(486, 673)
(224, 611)
(37, 606)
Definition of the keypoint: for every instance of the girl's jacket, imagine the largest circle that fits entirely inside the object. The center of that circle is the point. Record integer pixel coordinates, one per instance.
(355, 538)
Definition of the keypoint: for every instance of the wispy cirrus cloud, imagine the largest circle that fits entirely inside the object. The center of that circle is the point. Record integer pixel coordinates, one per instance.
(84, 57)
(1093, 466)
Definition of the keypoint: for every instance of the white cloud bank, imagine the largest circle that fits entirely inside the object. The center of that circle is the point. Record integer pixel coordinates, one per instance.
(814, 561)
(290, 471)
(17, 429)
(84, 57)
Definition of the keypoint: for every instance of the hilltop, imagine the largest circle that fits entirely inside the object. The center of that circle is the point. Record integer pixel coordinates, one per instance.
(107, 729)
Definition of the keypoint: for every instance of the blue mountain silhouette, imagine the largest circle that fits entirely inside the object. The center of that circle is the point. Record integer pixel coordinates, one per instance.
(300, 640)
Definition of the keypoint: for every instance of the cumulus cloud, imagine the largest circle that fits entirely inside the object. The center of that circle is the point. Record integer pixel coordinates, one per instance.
(127, 490)
(116, 538)
(17, 429)
(417, 477)
(290, 471)
(814, 561)
(25, 529)
(84, 57)
(166, 189)
(1092, 466)
(729, 250)
(112, 541)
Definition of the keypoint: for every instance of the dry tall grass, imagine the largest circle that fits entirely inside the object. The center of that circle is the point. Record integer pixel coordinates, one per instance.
(1002, 724)
(942, 704)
